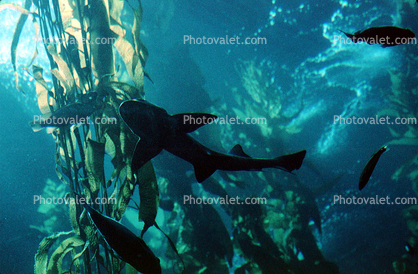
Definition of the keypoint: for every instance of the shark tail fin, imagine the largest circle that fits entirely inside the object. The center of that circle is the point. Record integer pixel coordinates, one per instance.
(291, 162)
(203, 171)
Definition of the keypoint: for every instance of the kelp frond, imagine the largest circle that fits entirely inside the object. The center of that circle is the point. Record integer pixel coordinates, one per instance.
(80, 39)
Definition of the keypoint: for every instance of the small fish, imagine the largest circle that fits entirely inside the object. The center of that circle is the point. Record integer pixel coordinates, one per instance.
(158, 130)
(368, 169)
(66, 116)
(127, 245)
(387, 36)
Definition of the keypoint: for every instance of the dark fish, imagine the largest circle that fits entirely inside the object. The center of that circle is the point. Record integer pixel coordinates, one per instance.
(127, 245)
(368, 169)
(158, 130)
(66, 116)
(387, 36)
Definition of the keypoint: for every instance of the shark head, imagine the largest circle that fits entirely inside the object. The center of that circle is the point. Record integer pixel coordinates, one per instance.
(145, 119)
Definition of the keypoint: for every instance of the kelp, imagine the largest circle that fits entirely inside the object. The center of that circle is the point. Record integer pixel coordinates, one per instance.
(148, 193)
(18, 30)
(41, 257)
(45, 100)
(94, 152)
(79, 40)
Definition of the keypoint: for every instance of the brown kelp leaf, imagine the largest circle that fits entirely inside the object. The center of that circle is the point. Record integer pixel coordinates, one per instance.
(132, 61)
(41, 257)
(18, 30)
(64, 74)
(35, 53)
(113, 148)
(73, 215)
(69, 15)
(78, 255)
(55, 262)
(124, 196)
(42, 92)
(116, 7)
(74, 50)
(128, 90)
(128, 142)
(94, 154)
(89, 229)
(149, 196)
(139, 47)
(60, 78)
(17, 8)
(65, 147)
(100, 40)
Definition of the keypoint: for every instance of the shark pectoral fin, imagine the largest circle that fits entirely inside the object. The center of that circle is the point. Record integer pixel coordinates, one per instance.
(238, 151)
(203, 171)
(189, 122)
(291, 162)
(144, 152)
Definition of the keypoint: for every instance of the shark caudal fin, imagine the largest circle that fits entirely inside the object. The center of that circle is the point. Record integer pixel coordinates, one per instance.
(290, 162)
(203, 171)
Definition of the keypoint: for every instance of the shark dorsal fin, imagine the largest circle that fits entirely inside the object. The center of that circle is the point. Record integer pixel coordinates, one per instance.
(189, 122)
(238, 151)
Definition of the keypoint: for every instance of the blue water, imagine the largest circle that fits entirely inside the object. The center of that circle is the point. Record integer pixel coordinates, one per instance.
(310, 78)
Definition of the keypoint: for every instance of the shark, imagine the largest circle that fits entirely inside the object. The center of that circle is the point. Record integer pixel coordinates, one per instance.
(131, 248)
(159, 131)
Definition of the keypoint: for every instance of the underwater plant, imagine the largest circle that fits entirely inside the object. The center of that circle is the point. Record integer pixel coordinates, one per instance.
(86, 42)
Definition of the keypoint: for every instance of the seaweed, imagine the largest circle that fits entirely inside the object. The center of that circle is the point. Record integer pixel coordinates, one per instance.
(81, 47)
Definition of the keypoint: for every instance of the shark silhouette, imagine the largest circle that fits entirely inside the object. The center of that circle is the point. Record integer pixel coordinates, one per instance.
(127, 245)
(158, 130)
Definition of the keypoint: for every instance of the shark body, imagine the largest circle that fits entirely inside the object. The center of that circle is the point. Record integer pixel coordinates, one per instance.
(158, 130)
(127, 245)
